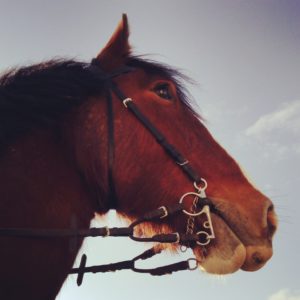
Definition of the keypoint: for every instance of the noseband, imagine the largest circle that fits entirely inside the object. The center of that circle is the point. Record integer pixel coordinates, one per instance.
(201, 205)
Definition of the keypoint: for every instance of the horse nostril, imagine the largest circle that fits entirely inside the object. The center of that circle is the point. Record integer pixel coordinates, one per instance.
(257, 259)
(271, 221)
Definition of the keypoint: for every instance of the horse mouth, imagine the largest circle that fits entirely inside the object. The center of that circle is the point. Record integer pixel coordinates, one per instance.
(227, 253)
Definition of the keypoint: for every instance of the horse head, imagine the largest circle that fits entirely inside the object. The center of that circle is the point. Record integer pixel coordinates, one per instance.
(145, 177)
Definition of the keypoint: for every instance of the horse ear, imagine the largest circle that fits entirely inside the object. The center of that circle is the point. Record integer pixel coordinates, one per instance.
(117, 49)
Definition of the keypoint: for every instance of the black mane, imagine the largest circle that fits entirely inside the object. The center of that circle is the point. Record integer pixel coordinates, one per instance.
(40, 95)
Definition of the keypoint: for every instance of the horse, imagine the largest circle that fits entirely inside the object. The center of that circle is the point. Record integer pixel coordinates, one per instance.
(66, 153)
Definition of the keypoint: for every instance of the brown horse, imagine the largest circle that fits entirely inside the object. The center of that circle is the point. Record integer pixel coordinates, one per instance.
(54, 167)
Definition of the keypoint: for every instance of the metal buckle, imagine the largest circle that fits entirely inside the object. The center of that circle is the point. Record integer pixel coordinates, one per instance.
(107, 232)
(177, 237)
(183, 163)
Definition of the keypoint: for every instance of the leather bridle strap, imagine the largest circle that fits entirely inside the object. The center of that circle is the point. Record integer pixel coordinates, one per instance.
(180, 160)
(156, 214)
(95, 68)
(130, 265)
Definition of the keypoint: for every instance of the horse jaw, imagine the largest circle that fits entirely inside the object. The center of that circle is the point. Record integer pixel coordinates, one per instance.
(226, 254)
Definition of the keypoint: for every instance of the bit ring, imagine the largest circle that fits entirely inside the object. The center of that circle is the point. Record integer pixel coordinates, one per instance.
(185, 211)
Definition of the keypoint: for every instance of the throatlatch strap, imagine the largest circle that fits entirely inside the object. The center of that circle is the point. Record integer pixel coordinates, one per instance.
(113, 200)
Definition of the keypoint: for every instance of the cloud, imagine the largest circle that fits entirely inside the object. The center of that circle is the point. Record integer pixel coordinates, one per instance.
(287, 118)
(278, 132)
(285, 294)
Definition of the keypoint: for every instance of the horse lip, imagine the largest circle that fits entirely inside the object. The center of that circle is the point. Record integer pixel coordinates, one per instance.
(256, 255)
(229, 224)
(223, 255)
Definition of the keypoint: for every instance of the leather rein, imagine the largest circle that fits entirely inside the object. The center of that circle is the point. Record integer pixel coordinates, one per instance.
(201, 204)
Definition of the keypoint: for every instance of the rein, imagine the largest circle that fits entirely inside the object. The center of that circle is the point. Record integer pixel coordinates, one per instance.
(201, 204)
(201, 238)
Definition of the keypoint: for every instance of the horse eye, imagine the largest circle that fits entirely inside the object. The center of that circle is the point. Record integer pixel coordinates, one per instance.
(163, 91)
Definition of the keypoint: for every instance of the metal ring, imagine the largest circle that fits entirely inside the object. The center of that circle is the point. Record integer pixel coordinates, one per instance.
(196, 265)
(185, 211)
(201, 188)
(183, 248)
(125, 101)
(206, 225)
(207, 236)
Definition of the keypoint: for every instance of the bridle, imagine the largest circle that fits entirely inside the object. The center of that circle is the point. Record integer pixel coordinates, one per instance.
(201, 204)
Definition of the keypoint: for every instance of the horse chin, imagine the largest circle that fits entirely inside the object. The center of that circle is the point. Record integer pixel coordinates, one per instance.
(225, 254)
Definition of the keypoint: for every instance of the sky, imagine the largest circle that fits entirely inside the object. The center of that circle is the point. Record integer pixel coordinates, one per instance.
(244, 56)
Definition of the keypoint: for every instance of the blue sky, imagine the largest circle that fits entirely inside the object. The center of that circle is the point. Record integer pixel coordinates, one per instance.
(245, 57)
